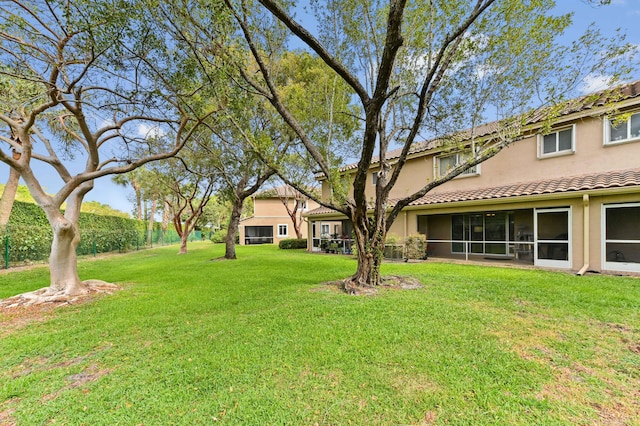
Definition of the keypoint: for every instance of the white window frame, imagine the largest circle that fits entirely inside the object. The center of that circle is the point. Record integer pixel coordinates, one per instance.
(323, 227)
(374, 178)
(557, 152)
(286, 228)
(615, 266)
(474, 171)
(627, 123)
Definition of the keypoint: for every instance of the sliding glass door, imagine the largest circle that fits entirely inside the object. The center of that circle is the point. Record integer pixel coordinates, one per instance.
(488, 233)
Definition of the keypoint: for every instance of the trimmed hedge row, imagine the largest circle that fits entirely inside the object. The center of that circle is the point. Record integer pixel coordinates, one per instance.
(293, 243)
(29, 234)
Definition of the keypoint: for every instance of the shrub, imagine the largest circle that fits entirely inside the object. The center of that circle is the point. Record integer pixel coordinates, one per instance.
(293, 243)
(219, 236)
(29, 233)
(416, 246)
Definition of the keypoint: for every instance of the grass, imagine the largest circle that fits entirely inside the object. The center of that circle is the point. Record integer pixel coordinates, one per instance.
(195, 341)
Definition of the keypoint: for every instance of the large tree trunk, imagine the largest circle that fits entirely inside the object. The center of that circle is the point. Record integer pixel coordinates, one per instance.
(63, 261)
(234, 221)
(297, 226)
(183, 231)
(296, 219)
(8, 197)
(369, 238)
(184, 238)
(64, 285)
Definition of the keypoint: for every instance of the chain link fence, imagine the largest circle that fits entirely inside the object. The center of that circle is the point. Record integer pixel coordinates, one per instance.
(24, 245)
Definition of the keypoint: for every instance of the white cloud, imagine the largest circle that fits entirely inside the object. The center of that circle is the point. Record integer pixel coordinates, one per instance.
(147, 131)
(593, 83)
(102, 122)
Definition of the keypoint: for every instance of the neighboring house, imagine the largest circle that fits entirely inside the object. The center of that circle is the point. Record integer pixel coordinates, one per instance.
(271, 221)
(567, 198)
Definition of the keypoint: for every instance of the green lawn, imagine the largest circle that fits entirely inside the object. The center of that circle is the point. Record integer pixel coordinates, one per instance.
(196, 341)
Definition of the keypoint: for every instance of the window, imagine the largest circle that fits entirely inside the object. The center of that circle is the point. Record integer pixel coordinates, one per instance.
(621, 129)
(374, 178)
(621, 228)
(324, 229)
(557, 142)
(448, 162)
(283, 230)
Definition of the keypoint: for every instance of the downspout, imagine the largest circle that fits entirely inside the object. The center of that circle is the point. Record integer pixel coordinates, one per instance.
(406, 225)
(585, 234)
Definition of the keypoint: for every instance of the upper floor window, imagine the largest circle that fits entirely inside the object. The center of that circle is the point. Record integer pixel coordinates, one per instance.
(374, 178)
(622, 129)
(446, 163)
(560, 141)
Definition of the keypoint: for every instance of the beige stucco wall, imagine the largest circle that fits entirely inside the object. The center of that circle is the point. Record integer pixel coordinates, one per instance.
(520, 163)
(272, 212)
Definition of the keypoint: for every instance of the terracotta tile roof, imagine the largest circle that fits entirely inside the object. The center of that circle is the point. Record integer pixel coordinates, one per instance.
(282, 191)
(615, 179)
(583, 103)
(605, 180)
(320, 210)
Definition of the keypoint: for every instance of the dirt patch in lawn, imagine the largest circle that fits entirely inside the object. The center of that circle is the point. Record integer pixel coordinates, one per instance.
(391, 282)
(16, 312)
(18, 318)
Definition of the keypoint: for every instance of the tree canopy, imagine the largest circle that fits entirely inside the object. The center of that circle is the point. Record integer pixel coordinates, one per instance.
(97, 82)
(421, 71)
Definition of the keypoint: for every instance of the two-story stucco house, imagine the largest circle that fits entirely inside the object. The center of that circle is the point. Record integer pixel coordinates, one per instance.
(566, 197)
(271, 220)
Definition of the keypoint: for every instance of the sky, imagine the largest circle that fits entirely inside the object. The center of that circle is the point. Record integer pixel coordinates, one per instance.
(623, 14)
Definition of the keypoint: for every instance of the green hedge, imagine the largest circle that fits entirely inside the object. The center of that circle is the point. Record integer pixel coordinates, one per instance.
(29, 234)
(293, 243)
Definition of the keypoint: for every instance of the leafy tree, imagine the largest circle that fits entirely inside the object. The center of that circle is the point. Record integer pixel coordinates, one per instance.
(13, 96)
(111, 92)
(188, 182)
(420, 70)
(132, 178)
(214, 217)
(239, 170)
(147, 190)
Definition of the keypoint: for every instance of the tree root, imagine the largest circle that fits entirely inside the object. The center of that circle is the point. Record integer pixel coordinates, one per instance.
(359, 288)
(45, 296)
